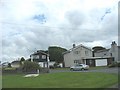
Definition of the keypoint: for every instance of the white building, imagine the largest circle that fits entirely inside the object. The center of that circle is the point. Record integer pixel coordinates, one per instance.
(112, 52)
(82, 54)
(76, 55)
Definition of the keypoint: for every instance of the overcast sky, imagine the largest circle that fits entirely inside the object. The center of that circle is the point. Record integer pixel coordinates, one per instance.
(30, 25)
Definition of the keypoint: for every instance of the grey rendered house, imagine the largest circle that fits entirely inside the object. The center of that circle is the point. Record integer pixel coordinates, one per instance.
(82, 54)
(76, 55)
(112, 52)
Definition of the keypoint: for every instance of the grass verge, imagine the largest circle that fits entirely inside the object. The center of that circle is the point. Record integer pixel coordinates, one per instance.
(61, 80)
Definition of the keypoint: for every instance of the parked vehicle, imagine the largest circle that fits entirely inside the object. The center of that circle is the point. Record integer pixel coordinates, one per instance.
(80, 67)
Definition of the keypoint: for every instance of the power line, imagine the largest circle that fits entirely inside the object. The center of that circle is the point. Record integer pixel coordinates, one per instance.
(34, 26)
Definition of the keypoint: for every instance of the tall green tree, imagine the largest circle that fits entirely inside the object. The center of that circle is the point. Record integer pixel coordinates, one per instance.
(56, 54)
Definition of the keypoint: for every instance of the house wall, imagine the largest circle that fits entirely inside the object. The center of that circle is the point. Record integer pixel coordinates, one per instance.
(15, 65)
(114, 51)
(102, 54)
(68, 59)
(76, 55)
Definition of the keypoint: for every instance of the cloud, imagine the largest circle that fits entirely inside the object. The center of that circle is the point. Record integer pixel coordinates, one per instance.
(67, 22)
(75, 18)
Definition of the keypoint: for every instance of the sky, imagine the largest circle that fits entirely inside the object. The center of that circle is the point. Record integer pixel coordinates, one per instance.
(30, 25)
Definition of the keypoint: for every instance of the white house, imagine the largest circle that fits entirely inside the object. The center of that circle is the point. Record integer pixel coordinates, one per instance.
(82, 54)
(76, 55)
(112, 52)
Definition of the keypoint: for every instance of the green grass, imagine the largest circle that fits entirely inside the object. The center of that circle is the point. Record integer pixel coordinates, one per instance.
(61, 80)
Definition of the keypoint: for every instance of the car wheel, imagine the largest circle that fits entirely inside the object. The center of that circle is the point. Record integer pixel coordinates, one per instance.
(71, 69)
(82, 69)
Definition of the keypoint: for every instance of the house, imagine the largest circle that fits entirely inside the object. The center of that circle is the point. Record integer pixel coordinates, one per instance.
(83, 55)
(15, 64)
(77, 55)
(111, 52)
(5, 64)
(41, 57)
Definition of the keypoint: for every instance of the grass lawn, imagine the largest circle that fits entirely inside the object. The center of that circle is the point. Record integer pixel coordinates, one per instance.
(61, 80)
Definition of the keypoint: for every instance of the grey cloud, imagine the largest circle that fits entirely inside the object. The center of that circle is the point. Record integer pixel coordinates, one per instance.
(75, 18)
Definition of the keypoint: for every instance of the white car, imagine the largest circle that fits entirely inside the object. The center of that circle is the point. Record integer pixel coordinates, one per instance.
(80, 67)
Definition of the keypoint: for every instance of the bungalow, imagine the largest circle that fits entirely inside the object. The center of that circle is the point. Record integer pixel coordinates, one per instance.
(15, 64)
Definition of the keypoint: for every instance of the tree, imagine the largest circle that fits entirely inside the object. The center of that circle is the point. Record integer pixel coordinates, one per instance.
(56, 54)
(9, 65)
(22, 60)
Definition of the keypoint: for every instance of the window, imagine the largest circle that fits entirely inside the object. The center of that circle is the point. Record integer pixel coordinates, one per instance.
(105, 54)
(36, 56)
(111, 54)
(86, 52)
(77, 61)
(77, 52)
(43, 56)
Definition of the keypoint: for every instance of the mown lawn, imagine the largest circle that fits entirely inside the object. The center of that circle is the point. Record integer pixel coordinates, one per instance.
(61, 80)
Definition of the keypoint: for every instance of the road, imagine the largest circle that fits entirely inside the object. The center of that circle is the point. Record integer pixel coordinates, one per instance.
(106, 70)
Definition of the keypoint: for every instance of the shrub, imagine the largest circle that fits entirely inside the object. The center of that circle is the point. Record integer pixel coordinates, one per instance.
(118, 64)
(30, 66)
(114, 64)
(51, 67)
(9, 65)
(56, 65)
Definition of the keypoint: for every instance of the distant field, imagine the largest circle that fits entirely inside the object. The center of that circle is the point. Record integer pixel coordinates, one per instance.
(61, 80)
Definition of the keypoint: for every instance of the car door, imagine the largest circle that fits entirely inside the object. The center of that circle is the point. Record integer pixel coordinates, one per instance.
(78, 67)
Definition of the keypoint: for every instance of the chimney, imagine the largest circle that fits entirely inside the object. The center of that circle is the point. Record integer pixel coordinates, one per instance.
(113, 43)
(113, 46)
(73, 45)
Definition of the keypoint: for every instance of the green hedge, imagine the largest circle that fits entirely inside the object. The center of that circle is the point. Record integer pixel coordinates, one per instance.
(114, 64)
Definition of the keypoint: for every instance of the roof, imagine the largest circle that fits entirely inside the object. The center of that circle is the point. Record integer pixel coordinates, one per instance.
(76, 48)
(38, 52)
(15, 62)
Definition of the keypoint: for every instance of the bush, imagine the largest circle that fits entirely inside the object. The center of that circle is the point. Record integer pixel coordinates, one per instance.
(118, 64)
(51, 67)
(29, 66)
(56, 65)
(114, 64)
(9, 65)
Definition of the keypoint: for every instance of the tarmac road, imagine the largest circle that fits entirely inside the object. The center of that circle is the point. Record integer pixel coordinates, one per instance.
(106, 70)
